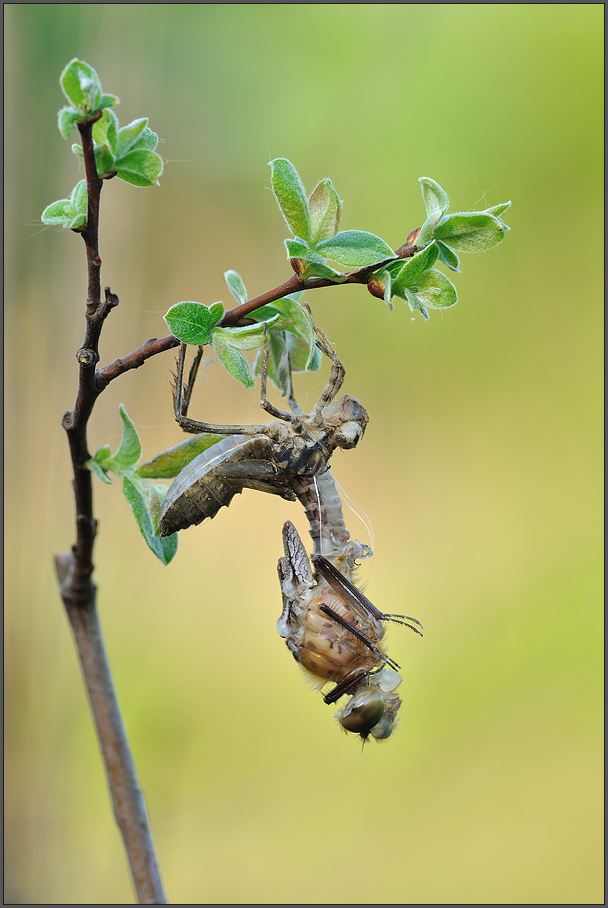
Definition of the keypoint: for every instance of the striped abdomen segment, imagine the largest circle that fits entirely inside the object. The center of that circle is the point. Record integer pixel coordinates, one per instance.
(212, 479)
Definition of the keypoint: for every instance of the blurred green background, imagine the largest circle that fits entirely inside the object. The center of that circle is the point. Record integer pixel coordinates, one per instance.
(480, 469)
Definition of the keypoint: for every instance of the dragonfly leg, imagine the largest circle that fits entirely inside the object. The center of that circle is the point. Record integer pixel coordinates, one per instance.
(336, 376)
(264, 402)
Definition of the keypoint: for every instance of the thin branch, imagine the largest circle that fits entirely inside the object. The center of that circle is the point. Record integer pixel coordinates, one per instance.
(75, 570)
(154, 345)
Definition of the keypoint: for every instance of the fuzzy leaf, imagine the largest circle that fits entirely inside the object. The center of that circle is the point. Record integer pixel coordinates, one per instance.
(129, 449)
(140, 167)
(497, 210)
(471, 231)
(67, 119)
(291, 198)
(169, 463)
(325, 208)
(95, 467)
(425, 235)
(299, 249)
(414, 266)
(355, 247)
(217, 311)
(236, 286)
(232, 359)
(129, 135)
(190, 322)
(105, 130)
(104, 160)
(436, 200)
(448, 256)
(246, 338)
(57, 213)
(432, 290)
(81, 86)
(107, 101)
(144, 500)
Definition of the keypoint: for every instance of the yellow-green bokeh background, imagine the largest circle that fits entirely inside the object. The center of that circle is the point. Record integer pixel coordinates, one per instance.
(480, 469)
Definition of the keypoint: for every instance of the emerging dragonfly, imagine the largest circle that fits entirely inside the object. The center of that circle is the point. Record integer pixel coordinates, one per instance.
(335, 633)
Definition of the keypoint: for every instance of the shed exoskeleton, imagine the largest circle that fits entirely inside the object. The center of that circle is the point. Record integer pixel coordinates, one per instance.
(289, 457)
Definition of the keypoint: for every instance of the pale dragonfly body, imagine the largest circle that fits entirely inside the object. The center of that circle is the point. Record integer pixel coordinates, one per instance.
(329, 626)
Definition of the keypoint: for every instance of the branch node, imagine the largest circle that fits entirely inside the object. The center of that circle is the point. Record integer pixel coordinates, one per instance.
(87, 357)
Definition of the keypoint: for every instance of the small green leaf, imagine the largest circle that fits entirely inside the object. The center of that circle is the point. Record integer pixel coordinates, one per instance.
(57, 213)
(140, 167)
(105, 130)
(448, 256)
(299, 355)
(432, 290)
(355, 247)
(129, 449)
(236, 286)
(147, 139)
(217, 311)
(247, 337)
(386, 280)
(425, 235)
(278, 361)
(232, 359)
(67, 119)
(470, 231)
(81, 86)
(291, 198)
(292, 317)
(107, 101)
(128, 136)
(435, 199)
(414, 266)
(190, 322)
(169, 463)
(104, 160)
(300, 250)
(497, 210)
(79, 198)
(102, 454)
(77, 149)
(143, 499)
(98, 470)
(325, 208)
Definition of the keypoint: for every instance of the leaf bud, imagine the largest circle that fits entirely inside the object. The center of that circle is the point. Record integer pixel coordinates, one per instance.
(298, 265)
(376, 288)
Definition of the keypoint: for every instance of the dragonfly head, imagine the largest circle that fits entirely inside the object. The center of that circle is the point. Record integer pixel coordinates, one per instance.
(346, 419)
(373, 710)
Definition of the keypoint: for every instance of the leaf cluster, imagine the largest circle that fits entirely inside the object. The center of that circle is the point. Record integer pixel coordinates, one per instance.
(127, 153)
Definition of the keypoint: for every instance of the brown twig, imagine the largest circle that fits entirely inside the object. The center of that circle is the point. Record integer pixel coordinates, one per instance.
(74, 571)
(296, 283)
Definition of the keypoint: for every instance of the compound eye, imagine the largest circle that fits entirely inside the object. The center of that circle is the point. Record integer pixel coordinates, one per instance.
(348, 435)
(363, 712)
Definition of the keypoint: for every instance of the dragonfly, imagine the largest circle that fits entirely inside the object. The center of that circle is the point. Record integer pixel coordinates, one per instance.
(336, 634)
(288, 457)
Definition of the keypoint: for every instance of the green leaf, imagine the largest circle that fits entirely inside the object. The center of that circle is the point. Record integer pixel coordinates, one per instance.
(190, 322)
(435, 199)
(278, 361)
(300, 250)
(497, 210)
(291, 317)
(470, 231)
(129, 449)
(128, 136)
(104, 160)
(217, 311)
(355, 247)
(448, 256)
(236, 286)
(105, 130)
(98, 470)
(432, 290)
(81, 86)
(67, 119)
(140, 167)
(425, 235)
(325, 208)
(386, 280)
(169, 463)
(246, 338)
(77, 149)
(57, 213)
(147, 139)
(107, 101)
(232, 359)
(300, 357)
(414, 266)
(144, 500)
(291, 198)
